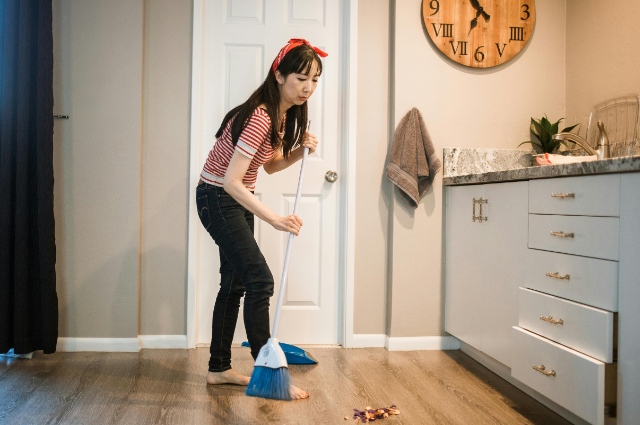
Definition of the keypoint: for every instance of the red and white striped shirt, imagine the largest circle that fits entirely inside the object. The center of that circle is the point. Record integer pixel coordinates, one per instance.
(254, 142)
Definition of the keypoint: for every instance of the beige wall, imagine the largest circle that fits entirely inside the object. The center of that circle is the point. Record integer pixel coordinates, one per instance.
(97, 81)
(603, 58)
(165, 153)
(122, 72)
(462, 107)
(372, 188)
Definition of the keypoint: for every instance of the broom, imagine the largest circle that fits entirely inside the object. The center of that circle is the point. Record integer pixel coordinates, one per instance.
(270, 377)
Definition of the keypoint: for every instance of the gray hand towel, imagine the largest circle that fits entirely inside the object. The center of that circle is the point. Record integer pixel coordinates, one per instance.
(413, 163)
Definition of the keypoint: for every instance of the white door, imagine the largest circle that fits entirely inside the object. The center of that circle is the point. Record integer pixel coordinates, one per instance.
(241, 39)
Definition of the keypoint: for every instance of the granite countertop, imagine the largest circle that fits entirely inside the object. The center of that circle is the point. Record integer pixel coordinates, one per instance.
(469, 166)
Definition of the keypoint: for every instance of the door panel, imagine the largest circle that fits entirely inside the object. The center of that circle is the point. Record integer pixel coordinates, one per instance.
(242, 37)
(504, 248)
(463, 265)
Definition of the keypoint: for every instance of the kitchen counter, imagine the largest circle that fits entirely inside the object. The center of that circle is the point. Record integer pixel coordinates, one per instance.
(613, 165)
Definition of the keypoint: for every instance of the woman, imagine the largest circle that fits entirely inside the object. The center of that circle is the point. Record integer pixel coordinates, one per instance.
(268, 130)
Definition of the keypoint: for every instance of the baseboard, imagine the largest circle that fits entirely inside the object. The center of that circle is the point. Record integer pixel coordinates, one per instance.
(122, 344)
(98, 344)
(405, 343)
(422, 343)
(504, 372)
(163, 341)
(369, 340)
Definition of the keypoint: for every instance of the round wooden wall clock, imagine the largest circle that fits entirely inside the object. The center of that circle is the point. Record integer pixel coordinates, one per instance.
(479, 33)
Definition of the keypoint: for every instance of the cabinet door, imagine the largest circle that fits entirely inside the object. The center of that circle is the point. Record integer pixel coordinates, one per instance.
(463, 265)
(504, 245)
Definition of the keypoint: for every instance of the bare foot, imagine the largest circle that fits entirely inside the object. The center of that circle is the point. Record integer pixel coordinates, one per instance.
(227, 377)
(297, 393)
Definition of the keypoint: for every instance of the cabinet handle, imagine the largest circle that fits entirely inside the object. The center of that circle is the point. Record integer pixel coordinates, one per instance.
(563, 195)
(543, 371)
(551, 320)
(562, 235)
(479, 217)
(558, 276)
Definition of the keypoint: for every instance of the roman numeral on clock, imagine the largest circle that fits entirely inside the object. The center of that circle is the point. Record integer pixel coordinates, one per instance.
(462, 48)
(445, 29)
(504, 46)
(517, 34)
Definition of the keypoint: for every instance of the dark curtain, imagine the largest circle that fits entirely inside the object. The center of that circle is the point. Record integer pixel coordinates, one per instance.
(28, 299)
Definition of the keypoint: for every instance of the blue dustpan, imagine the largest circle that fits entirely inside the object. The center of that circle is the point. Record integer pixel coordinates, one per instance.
(293, 354)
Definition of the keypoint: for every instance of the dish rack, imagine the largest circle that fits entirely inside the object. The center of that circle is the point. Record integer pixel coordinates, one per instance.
(620, 118)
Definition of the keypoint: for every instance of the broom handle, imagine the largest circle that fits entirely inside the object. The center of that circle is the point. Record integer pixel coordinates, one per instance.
(283, 282)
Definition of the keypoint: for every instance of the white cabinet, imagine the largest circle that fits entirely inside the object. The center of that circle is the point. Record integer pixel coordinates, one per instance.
(463, 265)
(485, 263)
(587, 272)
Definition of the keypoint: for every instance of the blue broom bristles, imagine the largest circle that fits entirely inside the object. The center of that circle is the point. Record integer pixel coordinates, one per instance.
(270, 383)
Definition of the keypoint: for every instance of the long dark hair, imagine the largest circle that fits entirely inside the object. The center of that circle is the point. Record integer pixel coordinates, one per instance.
(298, 60)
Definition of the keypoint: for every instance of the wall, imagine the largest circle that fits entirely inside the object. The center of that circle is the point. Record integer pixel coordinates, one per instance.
(462, 107)
(98, 83)
(122, 72)
(372, 188)
(603, 58)
(165, 154)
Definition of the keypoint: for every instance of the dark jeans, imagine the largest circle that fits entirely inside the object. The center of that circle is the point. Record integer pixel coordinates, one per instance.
(243, 271)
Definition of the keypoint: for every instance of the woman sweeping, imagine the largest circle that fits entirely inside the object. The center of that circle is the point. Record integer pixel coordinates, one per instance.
(268, 130)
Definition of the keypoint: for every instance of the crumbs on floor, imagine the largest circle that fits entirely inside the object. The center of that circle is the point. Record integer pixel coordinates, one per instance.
(370, 415)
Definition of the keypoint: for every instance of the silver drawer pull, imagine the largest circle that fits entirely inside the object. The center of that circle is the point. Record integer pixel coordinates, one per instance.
(563, 195)
(551, 320)
(542, 370)
(562, 235)
(480, 217)
(557, 275)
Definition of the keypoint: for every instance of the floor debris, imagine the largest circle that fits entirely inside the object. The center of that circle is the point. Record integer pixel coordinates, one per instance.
(370, 415)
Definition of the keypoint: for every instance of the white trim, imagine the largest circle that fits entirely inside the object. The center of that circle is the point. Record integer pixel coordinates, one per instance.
(163, 341)
(350, 207)
(194, 163)
(350, 171)
(98, 344)
(422, 343)
(369, 340)
(504, 372)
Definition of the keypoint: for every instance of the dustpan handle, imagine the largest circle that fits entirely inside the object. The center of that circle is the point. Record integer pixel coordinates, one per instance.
(283, 281)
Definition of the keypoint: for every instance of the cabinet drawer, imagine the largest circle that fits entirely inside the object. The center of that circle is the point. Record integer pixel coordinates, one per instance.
(579, 381)
(585, 329)
(592, 195)
(585, 280)
(595, 237)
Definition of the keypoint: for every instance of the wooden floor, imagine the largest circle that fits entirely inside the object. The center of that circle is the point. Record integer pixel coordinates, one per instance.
(168, 387)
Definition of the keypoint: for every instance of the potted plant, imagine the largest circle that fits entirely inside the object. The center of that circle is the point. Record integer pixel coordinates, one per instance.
(542, 131)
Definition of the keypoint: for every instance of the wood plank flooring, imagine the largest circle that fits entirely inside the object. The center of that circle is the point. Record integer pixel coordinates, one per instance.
(168, 387)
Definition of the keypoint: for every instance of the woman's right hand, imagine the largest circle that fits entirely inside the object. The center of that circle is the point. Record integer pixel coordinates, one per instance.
(291, 223)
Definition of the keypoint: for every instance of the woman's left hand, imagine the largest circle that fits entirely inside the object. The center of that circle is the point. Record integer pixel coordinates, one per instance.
(309, 141)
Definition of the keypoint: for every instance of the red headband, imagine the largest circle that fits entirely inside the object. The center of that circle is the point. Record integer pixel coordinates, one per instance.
(294, 42)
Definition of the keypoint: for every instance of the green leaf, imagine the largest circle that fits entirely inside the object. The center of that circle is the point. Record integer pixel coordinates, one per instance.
(554, 127)
(544, 136)
(532, 129)
(532, 143)
(570, 128)
(552, 146)
(544, 122)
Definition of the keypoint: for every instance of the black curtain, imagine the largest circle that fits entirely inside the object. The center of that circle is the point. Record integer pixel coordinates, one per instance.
(28, 299)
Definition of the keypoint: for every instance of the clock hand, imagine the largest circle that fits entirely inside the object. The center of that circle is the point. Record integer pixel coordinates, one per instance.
(480, 9)
(474, 22)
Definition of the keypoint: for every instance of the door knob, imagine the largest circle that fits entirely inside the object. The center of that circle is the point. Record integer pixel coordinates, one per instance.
(331, 176)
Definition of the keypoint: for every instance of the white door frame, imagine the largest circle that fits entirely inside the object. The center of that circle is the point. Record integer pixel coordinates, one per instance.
(348, 55)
